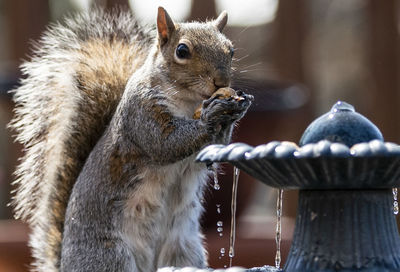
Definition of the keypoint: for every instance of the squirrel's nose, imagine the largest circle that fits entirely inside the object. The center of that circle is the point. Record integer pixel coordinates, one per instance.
(222, 79)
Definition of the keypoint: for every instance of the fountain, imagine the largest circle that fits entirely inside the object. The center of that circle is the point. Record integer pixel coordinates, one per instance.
(345, 173)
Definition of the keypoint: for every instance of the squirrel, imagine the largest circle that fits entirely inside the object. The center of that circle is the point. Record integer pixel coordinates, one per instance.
(108, 180)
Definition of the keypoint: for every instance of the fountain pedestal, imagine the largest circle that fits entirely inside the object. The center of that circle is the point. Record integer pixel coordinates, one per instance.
(345, 229)
(344, 171)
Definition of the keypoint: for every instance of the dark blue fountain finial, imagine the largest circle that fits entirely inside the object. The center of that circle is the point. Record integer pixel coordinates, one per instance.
(342, 124)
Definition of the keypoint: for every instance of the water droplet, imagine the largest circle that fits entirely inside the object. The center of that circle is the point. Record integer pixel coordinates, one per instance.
(221, 234)
(220, 229)
(225, 266)
(342, 106)
(222, 251)
(216, 186)
(220, 224)
(218, 208)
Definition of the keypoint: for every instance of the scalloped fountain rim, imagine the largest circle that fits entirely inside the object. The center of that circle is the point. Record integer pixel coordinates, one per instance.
(372, 165)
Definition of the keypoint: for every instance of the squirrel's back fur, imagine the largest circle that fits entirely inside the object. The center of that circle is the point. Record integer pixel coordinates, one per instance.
(62, 104)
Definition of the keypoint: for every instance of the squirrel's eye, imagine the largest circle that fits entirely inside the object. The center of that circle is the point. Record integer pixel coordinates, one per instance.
(182, 51)
(232, 51)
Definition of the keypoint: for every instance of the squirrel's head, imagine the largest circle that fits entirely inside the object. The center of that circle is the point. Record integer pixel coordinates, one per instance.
(197, 56)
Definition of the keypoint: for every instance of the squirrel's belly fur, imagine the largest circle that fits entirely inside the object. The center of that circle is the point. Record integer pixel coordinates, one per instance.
(169, 200)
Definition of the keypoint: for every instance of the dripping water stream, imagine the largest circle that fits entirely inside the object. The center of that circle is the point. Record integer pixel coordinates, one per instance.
(231, 253)
(278, 234)
(395, 202)
(214, 170)
(216, 183)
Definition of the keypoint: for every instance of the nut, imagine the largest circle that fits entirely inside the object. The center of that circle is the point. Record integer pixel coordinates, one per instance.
(221, 93)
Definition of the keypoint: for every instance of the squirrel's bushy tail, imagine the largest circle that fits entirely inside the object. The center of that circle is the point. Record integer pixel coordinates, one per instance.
(71, 88)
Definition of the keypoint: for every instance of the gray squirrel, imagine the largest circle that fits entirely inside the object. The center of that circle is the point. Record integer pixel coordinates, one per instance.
(108, 181)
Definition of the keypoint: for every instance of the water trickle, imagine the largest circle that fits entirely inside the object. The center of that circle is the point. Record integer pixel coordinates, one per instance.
(278, 234)
(231, 253)
(211, 167)
(219, 223)
(395, 202)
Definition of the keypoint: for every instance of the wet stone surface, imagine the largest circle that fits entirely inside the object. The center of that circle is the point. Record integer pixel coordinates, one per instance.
(265, 268)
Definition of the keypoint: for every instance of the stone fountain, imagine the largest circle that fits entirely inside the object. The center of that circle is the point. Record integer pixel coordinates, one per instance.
(345, 173)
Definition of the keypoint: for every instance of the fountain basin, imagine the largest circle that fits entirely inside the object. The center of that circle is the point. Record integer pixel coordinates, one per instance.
(284, 165)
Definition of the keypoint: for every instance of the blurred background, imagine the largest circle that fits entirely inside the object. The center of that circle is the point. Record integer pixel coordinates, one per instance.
(297, 57)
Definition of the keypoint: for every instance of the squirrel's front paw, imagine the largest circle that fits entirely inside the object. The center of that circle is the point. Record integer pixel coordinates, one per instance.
(222, 110)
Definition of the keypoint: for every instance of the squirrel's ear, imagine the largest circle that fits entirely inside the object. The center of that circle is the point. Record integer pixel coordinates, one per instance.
(221, 21)
(165, 25)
